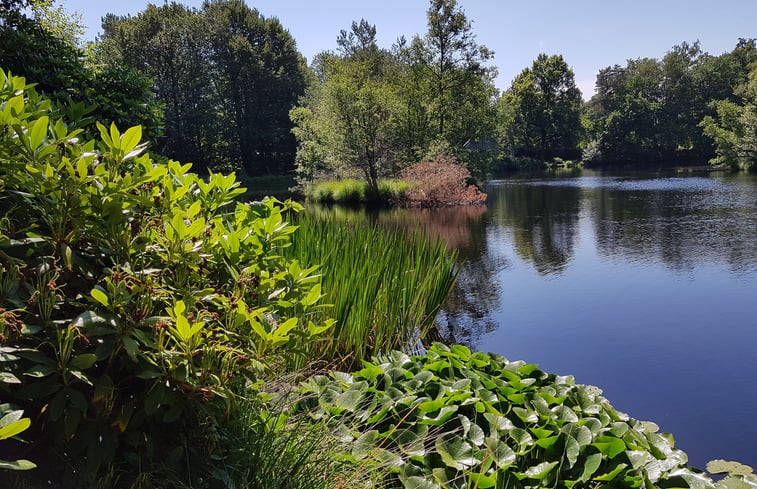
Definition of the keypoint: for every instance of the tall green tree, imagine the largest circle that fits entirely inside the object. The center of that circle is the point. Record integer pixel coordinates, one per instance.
(446, 86)
(542, 110)
(684, 104)
(259, 75)
(463, 92)
(349, 122)
(226, 75)
(734, 127)
(169, 44)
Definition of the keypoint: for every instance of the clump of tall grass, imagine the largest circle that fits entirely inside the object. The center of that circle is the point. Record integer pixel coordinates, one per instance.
(386, 287)
(351, 192)
(266, 448)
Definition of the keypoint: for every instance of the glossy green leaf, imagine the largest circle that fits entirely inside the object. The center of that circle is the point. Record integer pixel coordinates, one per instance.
(8, 378)
(17, 465)
(612, 474)
(415, 482)
(14, 428)
(100, 296)
(365, 444)
(572, 450)
(500, 453)
(38, 132)
(131, 138)
(591, 464)
(456, 452)
(441, 417)
(483, 481)
(609, 446)
(83, 361)
(540, 471)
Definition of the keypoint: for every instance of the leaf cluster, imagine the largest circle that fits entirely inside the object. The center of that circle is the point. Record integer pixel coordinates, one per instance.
(136, 298)
(653, 109)
(452, 418)
(734, 127)
(226, 75)
(45, 48)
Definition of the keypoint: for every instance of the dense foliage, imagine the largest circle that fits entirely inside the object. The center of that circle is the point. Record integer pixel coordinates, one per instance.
(349, 121)
(136, 299)
(651, 110)
(734, 127)
(226, 75)
(350, 192)
(373, 111)
(456, 419)
(540, 115)
(43, 47)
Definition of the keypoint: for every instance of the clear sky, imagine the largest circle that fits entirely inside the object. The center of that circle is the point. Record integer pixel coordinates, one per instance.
(590, 34)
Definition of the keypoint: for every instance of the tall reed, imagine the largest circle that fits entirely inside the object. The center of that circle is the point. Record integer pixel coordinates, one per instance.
(386, 286)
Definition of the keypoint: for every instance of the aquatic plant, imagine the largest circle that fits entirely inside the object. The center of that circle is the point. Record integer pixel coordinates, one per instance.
(386, 288)
(457, 419)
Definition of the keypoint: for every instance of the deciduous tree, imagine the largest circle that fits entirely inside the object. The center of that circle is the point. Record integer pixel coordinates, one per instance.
(543, 110)
(734, 128)
(349, 122)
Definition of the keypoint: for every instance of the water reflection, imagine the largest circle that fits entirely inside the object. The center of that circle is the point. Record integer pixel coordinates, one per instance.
(682, 222)
(460, 227)
(543, 220)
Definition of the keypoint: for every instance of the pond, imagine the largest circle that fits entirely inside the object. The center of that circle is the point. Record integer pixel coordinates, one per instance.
(642, 284)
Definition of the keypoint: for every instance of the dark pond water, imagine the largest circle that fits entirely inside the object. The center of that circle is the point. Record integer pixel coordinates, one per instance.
(642, 284)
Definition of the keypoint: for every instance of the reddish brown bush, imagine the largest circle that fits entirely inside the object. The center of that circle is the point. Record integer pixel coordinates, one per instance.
(442, 181)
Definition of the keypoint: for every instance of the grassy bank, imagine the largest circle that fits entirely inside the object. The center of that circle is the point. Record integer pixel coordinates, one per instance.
(352, 192)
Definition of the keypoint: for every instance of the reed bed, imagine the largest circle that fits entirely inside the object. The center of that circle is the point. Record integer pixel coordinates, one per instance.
(351, 191)
(385, 286)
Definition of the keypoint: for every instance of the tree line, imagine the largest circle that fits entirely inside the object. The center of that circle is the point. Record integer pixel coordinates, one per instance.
(223, 86)
(687, 106)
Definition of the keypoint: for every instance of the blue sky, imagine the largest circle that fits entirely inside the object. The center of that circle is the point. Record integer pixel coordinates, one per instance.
(590, 34)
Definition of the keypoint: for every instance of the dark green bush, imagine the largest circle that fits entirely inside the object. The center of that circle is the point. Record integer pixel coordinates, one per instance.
(136, 299)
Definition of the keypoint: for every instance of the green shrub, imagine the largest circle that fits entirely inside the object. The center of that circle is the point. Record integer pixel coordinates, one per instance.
(456, 419)
(136, 298)
(348, 192)
(392, 190)
(386, 287)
